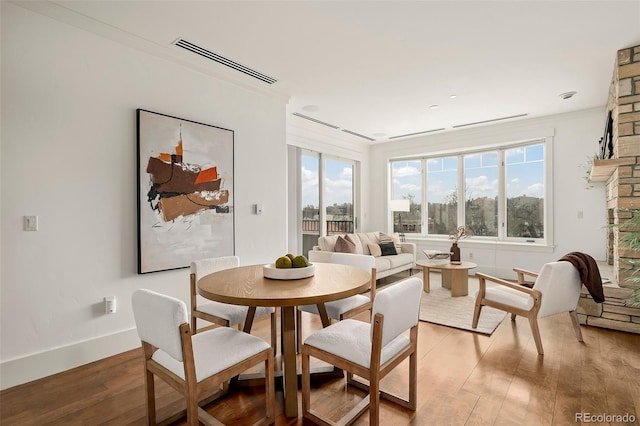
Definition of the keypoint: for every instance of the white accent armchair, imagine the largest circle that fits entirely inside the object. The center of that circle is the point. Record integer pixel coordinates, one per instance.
(556, 289)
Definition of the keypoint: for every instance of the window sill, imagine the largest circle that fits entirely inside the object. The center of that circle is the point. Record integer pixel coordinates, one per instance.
(537, 247)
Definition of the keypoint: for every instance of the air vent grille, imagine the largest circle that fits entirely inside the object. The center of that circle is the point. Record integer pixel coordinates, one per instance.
(358, 135)
(415, 134)
(306, 117)
(223, 61)
(489, 121)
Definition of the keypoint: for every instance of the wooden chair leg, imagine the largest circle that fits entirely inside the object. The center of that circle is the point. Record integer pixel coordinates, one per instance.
(513, 317)
(151, 397)
(298, 330)
(533, 322)
(306, 385)
(194, 330)
(576, 325)
(413, 381)
(349, 378)
(270, 397)
(192, 409)
(274, 333)
(374, 399)
(476, 313)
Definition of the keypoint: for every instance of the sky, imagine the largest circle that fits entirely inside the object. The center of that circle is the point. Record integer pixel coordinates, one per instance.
(338, 181)
(524, 175)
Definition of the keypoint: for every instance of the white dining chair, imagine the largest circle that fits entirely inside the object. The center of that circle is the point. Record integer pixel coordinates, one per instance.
(348, 307)
(370, 351)
(195, 365)
(556, 289)
(222, 314)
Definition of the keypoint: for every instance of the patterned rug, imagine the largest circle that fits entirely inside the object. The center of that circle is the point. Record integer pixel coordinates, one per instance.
(438, 307)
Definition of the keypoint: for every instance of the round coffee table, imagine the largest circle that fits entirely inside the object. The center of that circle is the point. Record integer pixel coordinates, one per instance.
(455, 276)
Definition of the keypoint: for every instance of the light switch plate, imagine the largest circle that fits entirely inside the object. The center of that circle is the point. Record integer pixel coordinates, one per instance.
(30, 223)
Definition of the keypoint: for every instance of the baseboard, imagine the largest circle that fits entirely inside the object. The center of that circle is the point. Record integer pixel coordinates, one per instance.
(36, 366)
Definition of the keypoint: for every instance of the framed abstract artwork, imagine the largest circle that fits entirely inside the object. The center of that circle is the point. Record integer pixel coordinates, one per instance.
(185, 192)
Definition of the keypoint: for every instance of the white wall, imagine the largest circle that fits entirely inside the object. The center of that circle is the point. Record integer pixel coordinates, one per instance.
(69, 156)
(575, 138)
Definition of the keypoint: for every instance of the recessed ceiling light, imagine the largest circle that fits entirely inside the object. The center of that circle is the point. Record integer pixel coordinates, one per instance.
(434, 106)
(567, 95)
(453, 96)
(311, 108)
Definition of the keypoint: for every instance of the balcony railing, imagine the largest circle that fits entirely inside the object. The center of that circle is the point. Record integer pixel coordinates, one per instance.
(333, 226)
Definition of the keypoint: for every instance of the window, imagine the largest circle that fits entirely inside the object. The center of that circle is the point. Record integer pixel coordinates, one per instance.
(328, 196)
(338, 198)
(524, 182)
(442, 195)
(503, 192)
(406, 178)
(481, 193)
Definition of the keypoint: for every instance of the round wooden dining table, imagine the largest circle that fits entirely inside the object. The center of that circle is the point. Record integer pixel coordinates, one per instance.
(247, 286)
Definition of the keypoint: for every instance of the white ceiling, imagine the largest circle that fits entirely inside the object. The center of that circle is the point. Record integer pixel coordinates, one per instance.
(376, 67)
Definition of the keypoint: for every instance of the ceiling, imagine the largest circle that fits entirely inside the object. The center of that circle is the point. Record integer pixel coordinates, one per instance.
(375, 68)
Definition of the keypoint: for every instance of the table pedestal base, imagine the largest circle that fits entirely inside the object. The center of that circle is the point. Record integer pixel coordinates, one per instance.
(455, 277)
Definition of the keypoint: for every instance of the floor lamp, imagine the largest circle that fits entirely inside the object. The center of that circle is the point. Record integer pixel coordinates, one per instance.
(400, 206)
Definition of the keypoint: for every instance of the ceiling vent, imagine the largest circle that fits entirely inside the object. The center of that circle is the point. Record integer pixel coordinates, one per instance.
(489, 121)
(415, 134)
(223, 61)
(358, 135)
(306, 117)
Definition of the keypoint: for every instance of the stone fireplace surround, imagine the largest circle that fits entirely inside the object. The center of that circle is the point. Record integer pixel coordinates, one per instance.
(621, 175)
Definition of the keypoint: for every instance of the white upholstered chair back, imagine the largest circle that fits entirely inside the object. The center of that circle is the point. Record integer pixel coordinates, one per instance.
(208, 266)
(365, 263)
(560, 284)
(158, 319)
(400, 305)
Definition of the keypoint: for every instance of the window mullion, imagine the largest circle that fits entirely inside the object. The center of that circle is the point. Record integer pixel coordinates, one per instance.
(502, 197)
(461, 190)
(425, 202)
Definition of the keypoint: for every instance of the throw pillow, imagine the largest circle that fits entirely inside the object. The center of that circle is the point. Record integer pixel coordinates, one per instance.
(355, 240)
(368, 238)
(375, 250)
(388, 249)
(343, 245)
(394, 238)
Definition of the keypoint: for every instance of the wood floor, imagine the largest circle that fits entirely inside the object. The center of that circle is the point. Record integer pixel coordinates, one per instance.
(463, 379)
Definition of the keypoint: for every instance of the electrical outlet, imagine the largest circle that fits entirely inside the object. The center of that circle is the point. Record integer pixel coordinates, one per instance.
(470, 255)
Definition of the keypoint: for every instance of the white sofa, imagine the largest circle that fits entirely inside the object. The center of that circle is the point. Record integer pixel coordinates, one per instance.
(385, 265)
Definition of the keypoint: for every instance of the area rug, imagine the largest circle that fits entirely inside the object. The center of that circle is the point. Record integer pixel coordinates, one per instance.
(438, 307)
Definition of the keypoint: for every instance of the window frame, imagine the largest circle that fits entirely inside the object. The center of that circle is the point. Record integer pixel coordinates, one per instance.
(545, 243)
(322, 207)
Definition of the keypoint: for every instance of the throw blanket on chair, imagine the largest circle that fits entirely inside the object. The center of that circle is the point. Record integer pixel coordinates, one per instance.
(589, 273)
